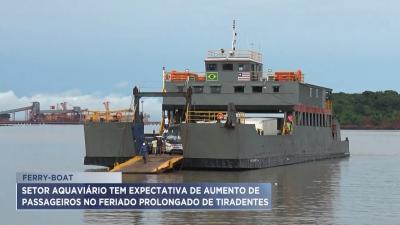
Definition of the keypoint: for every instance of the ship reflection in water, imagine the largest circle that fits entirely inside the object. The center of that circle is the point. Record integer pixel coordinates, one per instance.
(339, 191)
(301, 193)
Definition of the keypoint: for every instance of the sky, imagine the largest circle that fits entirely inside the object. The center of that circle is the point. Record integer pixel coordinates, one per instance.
(86, 52)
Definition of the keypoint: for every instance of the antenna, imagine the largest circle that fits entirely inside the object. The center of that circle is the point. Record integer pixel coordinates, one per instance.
(164, 75)
(234, 34)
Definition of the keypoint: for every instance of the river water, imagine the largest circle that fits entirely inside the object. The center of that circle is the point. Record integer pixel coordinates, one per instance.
(362, 189)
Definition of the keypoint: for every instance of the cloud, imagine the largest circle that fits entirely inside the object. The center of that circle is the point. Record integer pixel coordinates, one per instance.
(9, 100)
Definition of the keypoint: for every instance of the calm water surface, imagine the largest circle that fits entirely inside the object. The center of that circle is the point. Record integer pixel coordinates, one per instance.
(362, 189)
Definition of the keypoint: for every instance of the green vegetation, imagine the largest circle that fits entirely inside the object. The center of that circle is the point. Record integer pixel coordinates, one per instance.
(369, 110)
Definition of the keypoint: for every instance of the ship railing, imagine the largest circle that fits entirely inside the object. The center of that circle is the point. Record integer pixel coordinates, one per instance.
(242, 117)
(256, 56)
(211, 116)
(108, 116)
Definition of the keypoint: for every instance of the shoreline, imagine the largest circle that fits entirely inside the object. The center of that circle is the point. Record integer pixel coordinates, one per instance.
(367, 128)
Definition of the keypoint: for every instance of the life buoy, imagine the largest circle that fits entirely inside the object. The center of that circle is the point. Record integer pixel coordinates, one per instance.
(119, 115)
(220, 116)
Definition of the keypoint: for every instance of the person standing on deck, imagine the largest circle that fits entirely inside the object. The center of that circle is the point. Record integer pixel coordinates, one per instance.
(154, 145)
(288, 125)
(144, 151)
(159, 145)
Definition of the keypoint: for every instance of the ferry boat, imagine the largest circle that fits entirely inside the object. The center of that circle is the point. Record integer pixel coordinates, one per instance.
(235, 115)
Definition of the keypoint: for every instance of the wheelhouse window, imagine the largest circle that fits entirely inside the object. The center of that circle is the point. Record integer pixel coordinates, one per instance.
(259, 67)
(211, 67)
(240, 67)
(215, 89)
(307, 119)
(198, 89)
(321, 120)
(275, 88)
(257, 89)
(239, 89)
(227, 66)
(327, 95)
(314, 120)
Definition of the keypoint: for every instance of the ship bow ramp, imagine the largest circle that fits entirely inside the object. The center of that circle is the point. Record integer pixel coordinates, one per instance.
(108, 143)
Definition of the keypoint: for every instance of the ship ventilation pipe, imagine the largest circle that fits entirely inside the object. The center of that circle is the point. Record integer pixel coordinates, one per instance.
(234, 35)
(231, 116)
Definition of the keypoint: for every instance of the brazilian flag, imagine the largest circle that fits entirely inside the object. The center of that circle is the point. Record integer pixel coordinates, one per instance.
(212, 76)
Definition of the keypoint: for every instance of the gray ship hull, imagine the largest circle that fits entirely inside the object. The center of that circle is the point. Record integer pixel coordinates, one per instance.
(212, 146)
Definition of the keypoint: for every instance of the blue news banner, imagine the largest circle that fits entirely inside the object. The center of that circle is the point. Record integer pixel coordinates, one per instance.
(48, 193)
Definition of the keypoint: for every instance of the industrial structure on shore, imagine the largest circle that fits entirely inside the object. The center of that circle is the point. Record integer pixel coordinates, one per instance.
(60, 114)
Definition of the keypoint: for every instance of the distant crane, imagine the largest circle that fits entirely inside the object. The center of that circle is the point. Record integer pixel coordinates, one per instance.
(62, 115)
(34, 115)
(107, 107)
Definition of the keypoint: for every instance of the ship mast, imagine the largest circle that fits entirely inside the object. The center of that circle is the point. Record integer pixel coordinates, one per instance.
(234, 34)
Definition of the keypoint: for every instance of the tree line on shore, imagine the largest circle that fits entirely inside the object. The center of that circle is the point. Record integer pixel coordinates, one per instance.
(368, 110)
